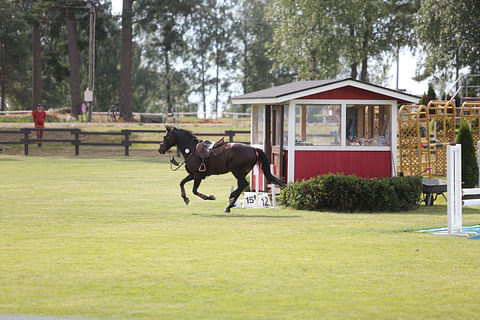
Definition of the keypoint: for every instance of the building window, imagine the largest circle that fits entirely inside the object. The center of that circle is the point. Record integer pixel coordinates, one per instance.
(317, 124)
(368, 125)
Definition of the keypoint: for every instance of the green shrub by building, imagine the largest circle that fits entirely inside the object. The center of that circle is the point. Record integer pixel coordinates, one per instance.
(337, 192)
(469, 160)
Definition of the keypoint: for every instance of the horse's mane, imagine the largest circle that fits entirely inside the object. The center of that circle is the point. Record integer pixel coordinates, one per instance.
(185, 133)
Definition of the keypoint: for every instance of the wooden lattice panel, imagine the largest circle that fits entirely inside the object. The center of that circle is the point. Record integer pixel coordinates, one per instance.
(413, 133)
(441, 116)
(425, 132)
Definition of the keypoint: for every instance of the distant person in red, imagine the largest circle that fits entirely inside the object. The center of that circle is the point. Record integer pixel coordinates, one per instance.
(39, 117)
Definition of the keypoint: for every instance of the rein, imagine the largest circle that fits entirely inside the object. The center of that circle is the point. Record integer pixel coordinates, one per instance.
(174, 162)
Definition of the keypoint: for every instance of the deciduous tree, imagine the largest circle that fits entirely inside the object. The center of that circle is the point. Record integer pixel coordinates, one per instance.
(15, 49)
(448, 32)
(318, 38)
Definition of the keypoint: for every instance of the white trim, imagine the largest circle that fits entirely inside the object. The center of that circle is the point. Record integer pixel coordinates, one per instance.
(261, 111)
(343, 125)
(291, 142)
(333, 86)
(251, 125)
(343, 148)
(346, 102)
(393, 138)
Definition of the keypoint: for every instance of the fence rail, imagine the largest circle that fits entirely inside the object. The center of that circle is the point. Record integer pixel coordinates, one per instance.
(76, 140)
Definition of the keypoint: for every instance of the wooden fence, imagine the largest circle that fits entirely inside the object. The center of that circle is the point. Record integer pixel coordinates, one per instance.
(76, 141)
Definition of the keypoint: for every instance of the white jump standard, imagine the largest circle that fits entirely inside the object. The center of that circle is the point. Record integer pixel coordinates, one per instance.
(455, 203)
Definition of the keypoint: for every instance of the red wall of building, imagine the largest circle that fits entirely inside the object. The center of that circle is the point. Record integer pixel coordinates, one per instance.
(365, 164)
(348, 93)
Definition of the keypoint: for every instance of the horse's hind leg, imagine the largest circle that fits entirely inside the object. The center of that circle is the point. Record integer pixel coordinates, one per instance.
(182, 188)
(196, 184)
(242, 183)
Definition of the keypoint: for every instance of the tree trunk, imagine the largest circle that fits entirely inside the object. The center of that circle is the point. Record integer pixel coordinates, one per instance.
(354, 65)
(353, 70)
(125, 103)
(245, 59)
(169, 82)
(217, 70)
(3, 72)
(2, 108)
(364, 71)
(203, 71)
(313, 55)
(366, 40)
(73, 55)
(246, 67)
(37, 64)
(204, 95)
(313, 65)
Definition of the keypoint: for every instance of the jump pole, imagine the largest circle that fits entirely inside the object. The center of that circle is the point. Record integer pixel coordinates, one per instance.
(256, 172)
(455, 193)
(272, 187)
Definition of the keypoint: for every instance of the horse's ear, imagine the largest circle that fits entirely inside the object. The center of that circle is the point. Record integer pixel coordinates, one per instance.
(169, 128)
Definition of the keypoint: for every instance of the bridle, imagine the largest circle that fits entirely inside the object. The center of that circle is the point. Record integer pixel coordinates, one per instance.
(179, 165)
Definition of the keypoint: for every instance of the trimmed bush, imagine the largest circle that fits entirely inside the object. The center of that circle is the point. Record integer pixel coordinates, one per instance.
(337, 192)
(469, 160)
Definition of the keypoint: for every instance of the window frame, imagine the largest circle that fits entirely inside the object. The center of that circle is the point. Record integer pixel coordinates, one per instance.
(343, 132)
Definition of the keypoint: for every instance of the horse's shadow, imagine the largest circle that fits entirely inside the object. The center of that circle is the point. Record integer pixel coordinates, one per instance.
(246, 216)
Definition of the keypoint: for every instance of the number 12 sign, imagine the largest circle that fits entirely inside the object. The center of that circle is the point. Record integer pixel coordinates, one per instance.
(251, 201)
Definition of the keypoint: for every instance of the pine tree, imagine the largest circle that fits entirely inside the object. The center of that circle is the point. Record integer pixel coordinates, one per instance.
(469, 160)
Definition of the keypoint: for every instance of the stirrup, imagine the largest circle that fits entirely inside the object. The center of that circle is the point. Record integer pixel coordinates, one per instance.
(202, 167)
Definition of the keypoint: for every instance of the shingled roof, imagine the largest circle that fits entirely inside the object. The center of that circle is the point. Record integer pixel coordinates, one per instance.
(290, 90)
(286, 89)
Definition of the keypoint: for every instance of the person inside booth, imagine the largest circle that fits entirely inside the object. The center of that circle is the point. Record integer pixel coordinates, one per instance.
(39, 116)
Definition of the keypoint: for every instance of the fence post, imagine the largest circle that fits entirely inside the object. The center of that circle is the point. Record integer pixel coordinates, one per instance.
(26, 132)
(76, 142)
(126, 142)
(230, 135)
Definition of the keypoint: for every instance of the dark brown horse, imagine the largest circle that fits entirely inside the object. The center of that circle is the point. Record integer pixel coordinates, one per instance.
(203, 158)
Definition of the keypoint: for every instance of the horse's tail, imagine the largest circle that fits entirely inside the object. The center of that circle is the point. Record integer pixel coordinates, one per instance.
(262, 158)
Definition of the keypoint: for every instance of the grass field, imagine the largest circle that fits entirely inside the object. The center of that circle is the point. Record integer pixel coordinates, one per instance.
(111, 239)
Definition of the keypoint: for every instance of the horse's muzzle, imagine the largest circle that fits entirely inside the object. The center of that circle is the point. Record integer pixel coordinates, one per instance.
(162, 149)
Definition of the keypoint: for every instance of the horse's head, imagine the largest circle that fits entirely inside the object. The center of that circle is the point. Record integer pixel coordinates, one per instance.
(168, 140)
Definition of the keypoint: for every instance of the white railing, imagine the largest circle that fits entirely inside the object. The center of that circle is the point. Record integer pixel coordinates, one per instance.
(177, 115)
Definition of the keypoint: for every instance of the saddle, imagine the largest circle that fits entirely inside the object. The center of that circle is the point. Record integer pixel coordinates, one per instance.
(205, 149)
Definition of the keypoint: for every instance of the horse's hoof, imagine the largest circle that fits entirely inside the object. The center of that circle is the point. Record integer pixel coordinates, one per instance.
(227, 210)
(211, 197)
(187, 201)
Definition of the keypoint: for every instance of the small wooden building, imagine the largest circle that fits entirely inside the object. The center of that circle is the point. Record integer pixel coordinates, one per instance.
(308, 128)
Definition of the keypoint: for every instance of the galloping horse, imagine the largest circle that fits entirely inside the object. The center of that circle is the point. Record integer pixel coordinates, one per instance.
(203, 158)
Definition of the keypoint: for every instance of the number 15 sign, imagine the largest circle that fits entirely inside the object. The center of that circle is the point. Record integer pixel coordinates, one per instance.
(251, 201)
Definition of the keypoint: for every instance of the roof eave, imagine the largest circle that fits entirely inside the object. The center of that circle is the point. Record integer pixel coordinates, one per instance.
(396, 95)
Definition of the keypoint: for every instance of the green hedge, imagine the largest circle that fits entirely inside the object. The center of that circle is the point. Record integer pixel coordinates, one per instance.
(337, 192)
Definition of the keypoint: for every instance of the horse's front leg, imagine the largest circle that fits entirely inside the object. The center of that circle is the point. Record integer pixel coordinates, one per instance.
(242, 183)
(196, 184)
(182, 188)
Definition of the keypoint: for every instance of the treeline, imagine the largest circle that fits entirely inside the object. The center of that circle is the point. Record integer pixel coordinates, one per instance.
(189, 55)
